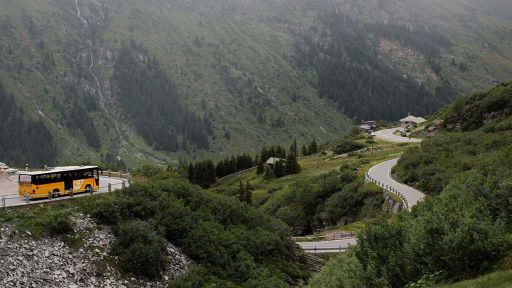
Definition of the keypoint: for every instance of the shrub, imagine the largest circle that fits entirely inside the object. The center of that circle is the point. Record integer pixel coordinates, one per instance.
(347, 145)
(140, 250)
(55, 223)
(343, 271)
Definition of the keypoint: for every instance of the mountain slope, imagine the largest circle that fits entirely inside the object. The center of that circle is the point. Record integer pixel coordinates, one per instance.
(236, 68)
(460, 231)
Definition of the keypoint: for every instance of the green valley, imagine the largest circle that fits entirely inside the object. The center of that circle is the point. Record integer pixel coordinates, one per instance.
(247, 73)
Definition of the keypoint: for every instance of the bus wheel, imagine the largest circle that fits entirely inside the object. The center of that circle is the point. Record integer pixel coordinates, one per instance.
(55, 193)
(88, 188)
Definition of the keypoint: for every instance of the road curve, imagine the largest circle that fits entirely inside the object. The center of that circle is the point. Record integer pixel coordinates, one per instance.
(15, 200)
(327, 246)
(387, 135)
(380, 174)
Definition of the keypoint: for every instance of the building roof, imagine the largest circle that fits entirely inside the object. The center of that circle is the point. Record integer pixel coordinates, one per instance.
(57, 169)
(413, 119)
(273, 160)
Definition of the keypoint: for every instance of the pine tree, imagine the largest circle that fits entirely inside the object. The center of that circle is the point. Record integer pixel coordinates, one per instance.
(292, 165)
(190, 173)
(268, 174)
(241, 191)
(313, 147)
(248, 196)
(305, 151)
(260, 168)
(279, 169)
(293, 149)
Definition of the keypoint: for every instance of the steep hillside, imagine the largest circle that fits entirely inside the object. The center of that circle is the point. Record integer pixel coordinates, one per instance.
(146, 236)
(238, 74)
(231, 65)
(461, 230)
(475, 136)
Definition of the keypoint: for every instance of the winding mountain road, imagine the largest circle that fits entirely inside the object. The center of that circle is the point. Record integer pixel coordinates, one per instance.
(379, 174)
(388, 136)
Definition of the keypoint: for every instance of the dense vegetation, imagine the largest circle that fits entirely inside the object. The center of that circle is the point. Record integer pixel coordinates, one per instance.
(328, 199)
(459, 232)
(232, 243)
(150, 97)
(484, 146)
(205, 173)
(343, 54)
(23, 140)
(327, 191)
(490, 108)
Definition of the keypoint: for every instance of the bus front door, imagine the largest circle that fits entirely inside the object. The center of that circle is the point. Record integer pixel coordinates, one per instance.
(68, 181)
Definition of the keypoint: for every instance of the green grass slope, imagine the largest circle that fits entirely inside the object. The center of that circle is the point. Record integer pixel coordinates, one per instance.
(233, 61)
(502, 279)
(329, 190)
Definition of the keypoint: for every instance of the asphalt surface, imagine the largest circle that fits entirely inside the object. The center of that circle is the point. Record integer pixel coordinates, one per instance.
(327, 246)
(381, 173)
(14, 200)
(387, 135)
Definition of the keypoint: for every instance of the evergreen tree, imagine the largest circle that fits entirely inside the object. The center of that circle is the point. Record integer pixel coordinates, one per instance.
(293, 149)
(292, 165)
(313, 147)
(269, 173)
(241, 191)
(260, 168)
(190, 173)
(279, 169)
(248, 196)
(280, 152)
(305, 151)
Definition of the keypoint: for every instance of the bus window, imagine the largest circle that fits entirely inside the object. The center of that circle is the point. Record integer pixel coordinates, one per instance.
(88, 174)
(96, 174)
(26, 179)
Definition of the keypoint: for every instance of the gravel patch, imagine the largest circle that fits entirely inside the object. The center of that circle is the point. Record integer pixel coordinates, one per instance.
(49, 262)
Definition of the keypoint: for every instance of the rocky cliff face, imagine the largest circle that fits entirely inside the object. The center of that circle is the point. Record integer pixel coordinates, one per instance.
(49, 262)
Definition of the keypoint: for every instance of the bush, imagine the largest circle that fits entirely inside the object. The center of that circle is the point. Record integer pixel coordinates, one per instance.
(229, 239)
(343, 271)
(347, 145)
(140, 250)
(55, 223)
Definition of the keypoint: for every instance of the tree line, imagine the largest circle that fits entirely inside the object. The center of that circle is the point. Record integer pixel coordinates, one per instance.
(351, 74)
(24, 140)
(205, 173)
(150, 97)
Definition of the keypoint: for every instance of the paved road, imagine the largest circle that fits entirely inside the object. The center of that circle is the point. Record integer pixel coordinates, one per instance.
(387, 135)
(14, 200)
(327, 246)
(381, 174)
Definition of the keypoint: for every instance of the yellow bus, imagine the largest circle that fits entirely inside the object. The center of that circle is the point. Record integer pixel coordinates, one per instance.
(58, 181)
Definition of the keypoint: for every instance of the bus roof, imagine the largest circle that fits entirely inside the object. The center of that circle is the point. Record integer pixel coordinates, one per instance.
(57, 169)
